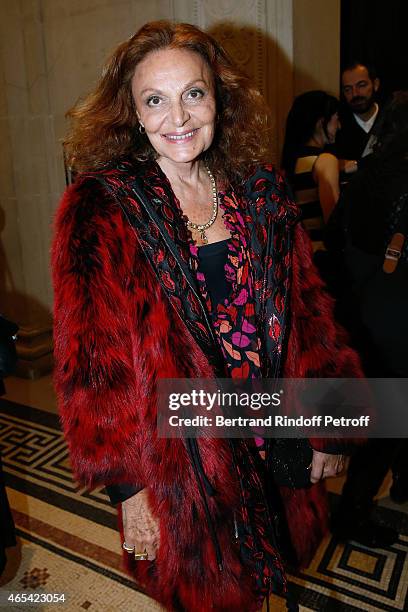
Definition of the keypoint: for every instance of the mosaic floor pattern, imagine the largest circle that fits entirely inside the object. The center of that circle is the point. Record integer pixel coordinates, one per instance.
(68, 543)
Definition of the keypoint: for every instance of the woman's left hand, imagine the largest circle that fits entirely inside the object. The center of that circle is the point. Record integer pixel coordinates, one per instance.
(325, 466)
(141, 528)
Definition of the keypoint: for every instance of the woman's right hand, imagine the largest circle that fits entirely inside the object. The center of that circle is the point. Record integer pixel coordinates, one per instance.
(325, 465)
(141, 529)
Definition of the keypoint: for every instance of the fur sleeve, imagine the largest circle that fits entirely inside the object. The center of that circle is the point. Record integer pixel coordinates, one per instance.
(94, 358)
(317, 345)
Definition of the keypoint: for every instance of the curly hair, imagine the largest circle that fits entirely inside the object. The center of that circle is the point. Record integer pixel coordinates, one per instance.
(104, 125)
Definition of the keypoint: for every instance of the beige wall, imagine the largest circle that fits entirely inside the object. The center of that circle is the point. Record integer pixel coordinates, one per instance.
(52, 52)
(316, 45)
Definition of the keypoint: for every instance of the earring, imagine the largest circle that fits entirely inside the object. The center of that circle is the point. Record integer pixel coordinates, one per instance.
(142, 129)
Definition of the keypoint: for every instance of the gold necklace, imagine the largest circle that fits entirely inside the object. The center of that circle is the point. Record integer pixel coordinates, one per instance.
(202, 227)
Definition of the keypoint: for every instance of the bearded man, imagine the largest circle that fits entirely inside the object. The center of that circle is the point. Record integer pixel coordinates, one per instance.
(360, 85)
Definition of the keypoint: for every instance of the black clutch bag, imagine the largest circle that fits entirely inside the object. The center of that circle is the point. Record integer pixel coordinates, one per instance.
(290, 462)
(8, 353)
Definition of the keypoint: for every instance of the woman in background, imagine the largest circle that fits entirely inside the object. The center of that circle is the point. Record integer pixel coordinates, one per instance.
(313, 172)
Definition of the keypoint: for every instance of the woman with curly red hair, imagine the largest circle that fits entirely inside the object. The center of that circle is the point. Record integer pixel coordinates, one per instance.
(178, 254)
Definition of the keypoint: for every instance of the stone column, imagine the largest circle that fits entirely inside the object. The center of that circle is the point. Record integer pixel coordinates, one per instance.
(28, 185)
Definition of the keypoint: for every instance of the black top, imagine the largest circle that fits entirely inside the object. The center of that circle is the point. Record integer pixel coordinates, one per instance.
(212, 259)
(309, 204)
(351, 139)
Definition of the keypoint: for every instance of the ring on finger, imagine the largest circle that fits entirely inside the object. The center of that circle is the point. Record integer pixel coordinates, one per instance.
(129, 549)
(143, 556)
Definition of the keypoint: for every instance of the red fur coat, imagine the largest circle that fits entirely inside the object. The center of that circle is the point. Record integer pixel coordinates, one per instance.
(115, 335)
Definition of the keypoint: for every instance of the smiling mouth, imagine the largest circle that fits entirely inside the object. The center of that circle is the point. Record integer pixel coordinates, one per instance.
(180, 137)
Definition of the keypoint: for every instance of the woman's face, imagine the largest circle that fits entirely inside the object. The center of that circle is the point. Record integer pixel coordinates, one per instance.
(173, 91)
(332, 128)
